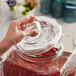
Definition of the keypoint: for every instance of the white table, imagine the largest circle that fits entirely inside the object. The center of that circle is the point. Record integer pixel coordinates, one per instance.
(68, 28)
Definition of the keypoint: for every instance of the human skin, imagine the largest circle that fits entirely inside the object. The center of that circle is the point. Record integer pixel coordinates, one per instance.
(16, 33)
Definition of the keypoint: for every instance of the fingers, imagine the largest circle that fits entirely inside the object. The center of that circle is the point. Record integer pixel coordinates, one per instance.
(26, 20)
(15, 24)
(21, 22)
(31, 33)
(24, 27)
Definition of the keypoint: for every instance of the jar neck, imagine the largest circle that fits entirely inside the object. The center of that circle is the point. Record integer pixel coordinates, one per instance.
(37, 59)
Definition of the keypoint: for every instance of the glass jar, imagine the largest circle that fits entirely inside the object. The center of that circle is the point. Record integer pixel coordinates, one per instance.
(69, 11)
(18, 64)
(57, 8)
(45, 6)
(37, 60)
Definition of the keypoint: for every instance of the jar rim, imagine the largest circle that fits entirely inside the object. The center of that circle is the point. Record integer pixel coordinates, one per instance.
(46, 58)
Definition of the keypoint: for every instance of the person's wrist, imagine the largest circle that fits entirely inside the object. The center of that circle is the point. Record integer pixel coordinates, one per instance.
(5, 45)
(7, 42)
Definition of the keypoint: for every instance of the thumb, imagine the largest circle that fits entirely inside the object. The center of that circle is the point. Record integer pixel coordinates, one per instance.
(31, 33)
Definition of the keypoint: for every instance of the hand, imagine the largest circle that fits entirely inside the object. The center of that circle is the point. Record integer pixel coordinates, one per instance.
(16, 30)
(16, 33)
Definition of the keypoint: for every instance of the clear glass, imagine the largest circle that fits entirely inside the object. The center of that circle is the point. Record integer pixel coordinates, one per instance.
(46, 62)
(69, 11)
(45, 6)
(65, 44)
(49, 34)
(18, 64)
(57, 8)
(21, 64)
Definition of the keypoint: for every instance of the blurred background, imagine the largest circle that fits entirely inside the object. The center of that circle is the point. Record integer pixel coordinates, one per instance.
(64, 11)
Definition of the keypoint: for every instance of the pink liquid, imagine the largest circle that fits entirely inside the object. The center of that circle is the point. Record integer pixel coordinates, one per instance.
(15, 66)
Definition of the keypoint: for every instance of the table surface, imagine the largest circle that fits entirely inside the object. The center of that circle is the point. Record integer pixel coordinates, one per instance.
(5, 15)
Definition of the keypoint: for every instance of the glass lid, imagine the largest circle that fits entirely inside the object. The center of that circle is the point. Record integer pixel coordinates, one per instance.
(49, 33)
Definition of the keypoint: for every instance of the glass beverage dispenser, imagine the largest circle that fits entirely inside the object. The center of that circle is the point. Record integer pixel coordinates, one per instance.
(42, 55)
